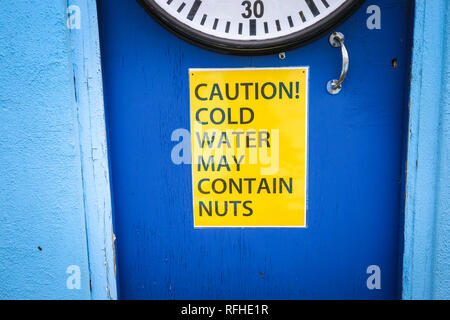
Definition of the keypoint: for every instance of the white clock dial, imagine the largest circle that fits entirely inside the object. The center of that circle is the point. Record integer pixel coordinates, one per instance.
(254, 25)
(249, 20)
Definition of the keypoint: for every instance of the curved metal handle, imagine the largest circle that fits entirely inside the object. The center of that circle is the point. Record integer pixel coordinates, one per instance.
(337, 40)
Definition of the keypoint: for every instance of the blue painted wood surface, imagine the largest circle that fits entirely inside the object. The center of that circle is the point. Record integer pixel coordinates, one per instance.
(356, 147)
(87, 81)
(426, 270)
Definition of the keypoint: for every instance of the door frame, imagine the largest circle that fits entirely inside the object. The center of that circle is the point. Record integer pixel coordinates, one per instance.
(90, 112)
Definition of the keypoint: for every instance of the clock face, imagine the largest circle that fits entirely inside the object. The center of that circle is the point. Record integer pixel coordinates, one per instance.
(250, 26)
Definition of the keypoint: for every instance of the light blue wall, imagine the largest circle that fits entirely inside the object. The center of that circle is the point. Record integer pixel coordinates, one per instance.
(41, 193)
(426, 271)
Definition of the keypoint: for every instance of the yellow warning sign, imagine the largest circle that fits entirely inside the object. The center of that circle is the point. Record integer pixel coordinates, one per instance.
(249, 146)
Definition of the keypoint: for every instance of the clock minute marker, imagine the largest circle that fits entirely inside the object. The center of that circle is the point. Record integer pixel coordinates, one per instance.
(302, 16)
(291, 23)
(216, 21)
(203, 19)
(181, 7)
(252, 25)
(227, 28)
(194, 10)
(277, 22)
(325, 3)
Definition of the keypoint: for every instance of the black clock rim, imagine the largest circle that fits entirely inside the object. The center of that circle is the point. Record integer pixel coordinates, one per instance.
(251, 47)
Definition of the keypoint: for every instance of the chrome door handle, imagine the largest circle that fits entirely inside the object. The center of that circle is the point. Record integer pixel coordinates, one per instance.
(337, 40)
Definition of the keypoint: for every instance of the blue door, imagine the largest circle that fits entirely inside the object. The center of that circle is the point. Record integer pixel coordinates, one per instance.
(356, 148)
